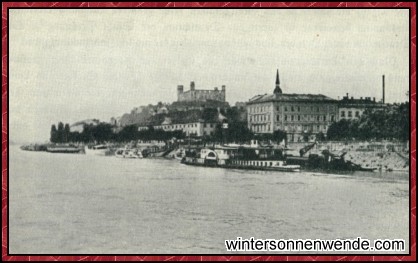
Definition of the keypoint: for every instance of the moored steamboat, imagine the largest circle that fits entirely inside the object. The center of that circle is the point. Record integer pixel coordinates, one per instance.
(250, 157)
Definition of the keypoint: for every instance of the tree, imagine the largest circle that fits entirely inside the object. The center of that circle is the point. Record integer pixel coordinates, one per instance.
(54, 134)
(238, 132)
(279, 135)
(102, 132)
(339, 130)
(391, 122)
(320, 136)
(60, 133)
(130, 132)
(306, 136)
(66, 133)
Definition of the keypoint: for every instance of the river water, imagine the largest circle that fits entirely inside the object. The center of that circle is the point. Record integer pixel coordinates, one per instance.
(77, 204)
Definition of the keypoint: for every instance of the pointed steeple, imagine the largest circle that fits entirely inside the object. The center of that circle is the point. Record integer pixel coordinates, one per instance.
(277, 78)
(277, 90)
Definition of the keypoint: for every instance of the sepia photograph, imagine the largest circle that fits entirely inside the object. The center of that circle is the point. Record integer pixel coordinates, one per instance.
(209, 131)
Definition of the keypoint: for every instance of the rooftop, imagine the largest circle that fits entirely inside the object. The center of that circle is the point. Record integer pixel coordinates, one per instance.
(291, 98)
(362, 101)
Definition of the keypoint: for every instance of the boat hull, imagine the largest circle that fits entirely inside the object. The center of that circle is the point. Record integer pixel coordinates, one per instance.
(129, 154)
(97, 152)
(62, 150)
(228, 165)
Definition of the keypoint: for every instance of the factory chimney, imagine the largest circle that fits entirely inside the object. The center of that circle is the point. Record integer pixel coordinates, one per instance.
(383, 88)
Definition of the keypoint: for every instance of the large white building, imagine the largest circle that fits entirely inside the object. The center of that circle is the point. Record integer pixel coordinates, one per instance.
(296, 114)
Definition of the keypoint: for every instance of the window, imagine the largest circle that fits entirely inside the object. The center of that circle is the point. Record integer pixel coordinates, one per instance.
(298, 117)
(357, 114)
(298, 108)
(285, 117)
(292, 108)
(332, 118)
(285, 108)
(278, 118)
(278, 108)
(350, 114)
(342, 113)
(291, 118)
(317, 109)
(325, 117)
(318, 118)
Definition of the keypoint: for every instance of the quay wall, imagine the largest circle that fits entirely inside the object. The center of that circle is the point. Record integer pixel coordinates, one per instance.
(381, 155)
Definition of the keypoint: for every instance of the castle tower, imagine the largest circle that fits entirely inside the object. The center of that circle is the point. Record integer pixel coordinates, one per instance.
(277, 90)
(223, 93)
(180, 90)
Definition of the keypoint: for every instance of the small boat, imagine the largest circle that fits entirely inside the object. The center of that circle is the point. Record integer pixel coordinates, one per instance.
(129, 153)
(34, 147)
(367, 169)
(63, 149)
(101, 150)
(179, 154)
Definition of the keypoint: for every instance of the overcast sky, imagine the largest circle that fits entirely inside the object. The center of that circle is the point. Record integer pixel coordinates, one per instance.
(70, 65)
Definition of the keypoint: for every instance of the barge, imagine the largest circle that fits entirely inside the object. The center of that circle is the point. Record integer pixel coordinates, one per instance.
(63, 149)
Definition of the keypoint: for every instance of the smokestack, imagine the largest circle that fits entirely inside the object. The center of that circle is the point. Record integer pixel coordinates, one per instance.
(383, 87)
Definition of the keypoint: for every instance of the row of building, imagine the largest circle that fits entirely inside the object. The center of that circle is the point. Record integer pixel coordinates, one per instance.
(198, 112)
(302, 114)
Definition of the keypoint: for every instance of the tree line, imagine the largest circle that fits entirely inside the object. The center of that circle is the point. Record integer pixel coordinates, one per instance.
(237, 132)
(390, 123)
(104, 132)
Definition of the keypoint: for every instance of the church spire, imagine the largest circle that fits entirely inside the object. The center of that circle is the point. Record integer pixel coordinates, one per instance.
(277, 90)
(277, 78)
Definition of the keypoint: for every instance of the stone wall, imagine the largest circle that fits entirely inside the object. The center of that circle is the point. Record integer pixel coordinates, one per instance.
(202, 95)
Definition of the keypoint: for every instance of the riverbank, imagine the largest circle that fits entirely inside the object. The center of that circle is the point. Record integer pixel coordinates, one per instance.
(382, 156)
(386, 156)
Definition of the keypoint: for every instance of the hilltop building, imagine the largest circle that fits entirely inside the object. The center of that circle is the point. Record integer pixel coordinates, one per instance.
(194, 99)
(200, 95)
(296, 114)
(192, 123)
(79, 126)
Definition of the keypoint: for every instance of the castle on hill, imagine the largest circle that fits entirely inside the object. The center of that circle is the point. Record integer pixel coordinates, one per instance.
(200, 95)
